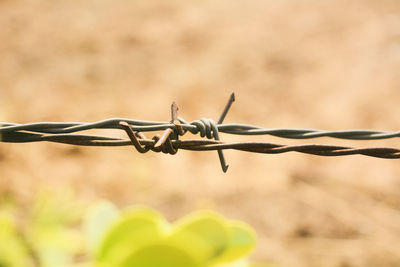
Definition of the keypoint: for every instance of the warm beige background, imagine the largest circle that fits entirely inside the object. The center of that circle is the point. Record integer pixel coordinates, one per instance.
(303, 63)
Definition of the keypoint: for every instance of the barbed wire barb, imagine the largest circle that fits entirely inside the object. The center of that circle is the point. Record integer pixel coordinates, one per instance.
(168, 142)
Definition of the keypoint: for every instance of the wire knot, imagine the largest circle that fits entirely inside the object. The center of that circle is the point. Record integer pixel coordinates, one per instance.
(161, 143)
(164, 144)
(206, 127)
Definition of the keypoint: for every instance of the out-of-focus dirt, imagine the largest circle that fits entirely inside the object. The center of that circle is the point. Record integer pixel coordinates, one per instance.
(301, 64)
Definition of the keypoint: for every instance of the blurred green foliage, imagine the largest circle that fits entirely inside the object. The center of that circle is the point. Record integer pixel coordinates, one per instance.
(45, 236)
(59, 232)
(12, 249)
(141, 236)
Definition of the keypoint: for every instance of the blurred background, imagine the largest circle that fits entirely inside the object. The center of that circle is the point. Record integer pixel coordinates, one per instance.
(295, 64)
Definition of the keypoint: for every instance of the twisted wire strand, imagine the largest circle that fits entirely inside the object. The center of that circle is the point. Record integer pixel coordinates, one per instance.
(70, 133)
(207, 145)
(198, 126)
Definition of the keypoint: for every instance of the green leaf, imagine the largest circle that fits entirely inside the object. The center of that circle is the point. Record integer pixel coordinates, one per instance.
(204, 233)
(242, 240)
(142, 237)
(137, 228)
(160, 254)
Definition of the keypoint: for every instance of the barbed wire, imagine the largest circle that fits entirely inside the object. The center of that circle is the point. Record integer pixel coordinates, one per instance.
(168, 142)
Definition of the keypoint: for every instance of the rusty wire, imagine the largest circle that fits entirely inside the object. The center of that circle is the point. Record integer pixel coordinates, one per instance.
(168, 142)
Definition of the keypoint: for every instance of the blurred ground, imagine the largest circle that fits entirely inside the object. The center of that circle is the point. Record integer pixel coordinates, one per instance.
(304, 63)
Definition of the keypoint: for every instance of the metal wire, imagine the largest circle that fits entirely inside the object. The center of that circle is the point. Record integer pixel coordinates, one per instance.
(193, 127)
(70, 133)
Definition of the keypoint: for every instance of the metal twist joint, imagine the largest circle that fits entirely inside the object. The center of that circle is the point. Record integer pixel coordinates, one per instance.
(207, 128)
(161, 143)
